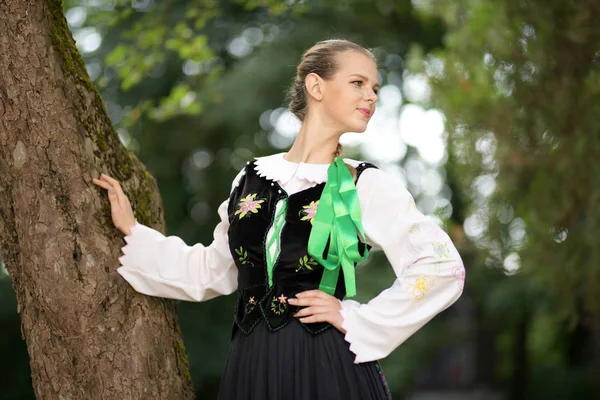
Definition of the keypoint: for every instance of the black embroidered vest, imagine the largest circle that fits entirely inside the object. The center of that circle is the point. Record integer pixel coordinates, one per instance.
(252, 207)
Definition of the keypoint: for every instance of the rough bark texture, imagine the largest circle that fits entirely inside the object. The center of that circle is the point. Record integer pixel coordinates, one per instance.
(88, 334)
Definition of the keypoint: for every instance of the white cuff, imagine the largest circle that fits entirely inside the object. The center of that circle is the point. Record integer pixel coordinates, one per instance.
(350, 336)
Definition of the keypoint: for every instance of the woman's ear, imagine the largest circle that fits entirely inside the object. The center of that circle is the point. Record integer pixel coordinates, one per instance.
(314, 86)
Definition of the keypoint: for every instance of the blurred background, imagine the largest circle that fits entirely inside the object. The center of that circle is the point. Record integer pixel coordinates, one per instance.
(489, 111)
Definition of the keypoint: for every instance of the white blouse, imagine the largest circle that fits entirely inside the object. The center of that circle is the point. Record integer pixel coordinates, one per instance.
(429, 271)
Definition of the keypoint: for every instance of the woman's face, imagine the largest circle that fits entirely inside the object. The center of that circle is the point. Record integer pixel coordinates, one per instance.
(349, 97)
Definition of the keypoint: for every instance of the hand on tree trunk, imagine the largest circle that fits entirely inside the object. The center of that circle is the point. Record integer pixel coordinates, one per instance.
(121, 212)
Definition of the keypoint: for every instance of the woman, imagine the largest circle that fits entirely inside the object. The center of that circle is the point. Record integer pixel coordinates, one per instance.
(290, 235)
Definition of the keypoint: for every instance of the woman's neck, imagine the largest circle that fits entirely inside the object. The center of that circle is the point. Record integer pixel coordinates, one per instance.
(315, 143)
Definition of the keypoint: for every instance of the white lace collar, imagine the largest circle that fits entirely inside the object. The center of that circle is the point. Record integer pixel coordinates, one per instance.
(276, 168)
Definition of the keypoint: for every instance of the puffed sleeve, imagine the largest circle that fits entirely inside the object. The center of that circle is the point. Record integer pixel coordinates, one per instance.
(166, 267)
(429, 271)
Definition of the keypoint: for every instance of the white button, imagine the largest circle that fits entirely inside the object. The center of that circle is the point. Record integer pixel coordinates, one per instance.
(247, 162)
(279, 191)
(272, 184)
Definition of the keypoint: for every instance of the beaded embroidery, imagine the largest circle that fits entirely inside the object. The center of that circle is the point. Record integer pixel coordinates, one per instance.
(248, 204)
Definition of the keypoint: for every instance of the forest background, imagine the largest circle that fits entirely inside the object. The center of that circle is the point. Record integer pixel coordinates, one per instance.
(489, 111)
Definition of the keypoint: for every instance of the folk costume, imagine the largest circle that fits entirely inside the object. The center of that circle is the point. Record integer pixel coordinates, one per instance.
(290, 227)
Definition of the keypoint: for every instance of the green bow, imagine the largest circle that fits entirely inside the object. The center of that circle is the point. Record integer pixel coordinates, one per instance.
(338, 220)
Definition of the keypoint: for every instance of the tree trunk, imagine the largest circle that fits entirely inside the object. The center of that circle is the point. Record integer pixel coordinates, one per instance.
(88, 334)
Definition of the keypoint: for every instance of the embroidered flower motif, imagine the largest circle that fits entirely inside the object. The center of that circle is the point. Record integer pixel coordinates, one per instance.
(414, 229)
(418, 236)
(243, 256)
(441, 250)
(306, 263)
(309, 211)
(248, 204)
(279, 304)
(421, 287)
(250, 305)
(459, 273)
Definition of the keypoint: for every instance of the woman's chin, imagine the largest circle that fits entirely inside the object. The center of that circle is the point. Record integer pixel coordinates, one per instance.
(358, 128)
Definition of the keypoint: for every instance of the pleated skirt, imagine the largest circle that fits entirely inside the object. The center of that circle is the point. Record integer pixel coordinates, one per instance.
(293, 364)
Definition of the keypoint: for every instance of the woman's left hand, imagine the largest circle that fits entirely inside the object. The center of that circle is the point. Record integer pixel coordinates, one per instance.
(320, 307)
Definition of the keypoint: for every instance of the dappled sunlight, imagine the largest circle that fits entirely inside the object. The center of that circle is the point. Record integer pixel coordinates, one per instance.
(76, 17)
(486, 114)
(424, 130)
(476, 224)
(512, 264)
(87, 40)
(416, 89)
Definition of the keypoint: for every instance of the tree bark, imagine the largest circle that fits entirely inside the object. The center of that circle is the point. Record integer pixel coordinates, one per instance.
(88, 334)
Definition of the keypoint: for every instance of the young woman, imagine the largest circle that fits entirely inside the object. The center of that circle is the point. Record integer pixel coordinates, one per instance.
(290, 235)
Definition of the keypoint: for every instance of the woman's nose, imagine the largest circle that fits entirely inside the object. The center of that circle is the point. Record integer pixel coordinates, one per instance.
(372, 97)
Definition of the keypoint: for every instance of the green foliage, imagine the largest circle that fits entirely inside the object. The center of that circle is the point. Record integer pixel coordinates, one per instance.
(518, 83)
(174, 31)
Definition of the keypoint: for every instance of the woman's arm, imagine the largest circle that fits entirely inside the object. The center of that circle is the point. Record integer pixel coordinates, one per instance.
(429, 271)
(167, 267)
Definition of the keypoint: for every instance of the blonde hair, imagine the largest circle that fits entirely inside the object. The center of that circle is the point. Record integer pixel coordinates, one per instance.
(319, 59)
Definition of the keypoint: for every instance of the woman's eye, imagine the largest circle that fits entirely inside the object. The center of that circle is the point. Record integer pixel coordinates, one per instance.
(358, 82)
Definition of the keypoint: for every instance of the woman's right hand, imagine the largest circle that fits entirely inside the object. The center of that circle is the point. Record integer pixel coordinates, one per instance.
(121, 212)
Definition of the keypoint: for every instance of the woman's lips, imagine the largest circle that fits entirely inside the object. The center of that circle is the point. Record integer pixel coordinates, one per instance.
(365, 111)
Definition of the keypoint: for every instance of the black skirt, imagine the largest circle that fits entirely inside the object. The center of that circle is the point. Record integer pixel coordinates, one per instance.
(293, 364)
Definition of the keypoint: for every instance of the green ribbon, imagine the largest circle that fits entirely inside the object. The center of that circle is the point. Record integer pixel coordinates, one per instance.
(276, 238)
(338, 220)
